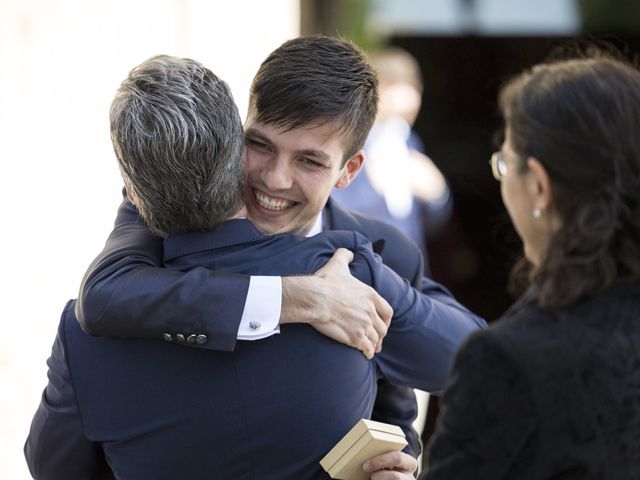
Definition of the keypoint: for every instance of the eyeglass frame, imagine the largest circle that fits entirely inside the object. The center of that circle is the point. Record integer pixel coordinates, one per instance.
(498, 165)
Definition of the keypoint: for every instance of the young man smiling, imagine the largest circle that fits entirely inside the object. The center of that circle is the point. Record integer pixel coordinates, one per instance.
(290, 174)
(311, 106)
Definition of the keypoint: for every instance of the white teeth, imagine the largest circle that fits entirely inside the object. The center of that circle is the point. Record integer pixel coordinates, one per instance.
(271, 203)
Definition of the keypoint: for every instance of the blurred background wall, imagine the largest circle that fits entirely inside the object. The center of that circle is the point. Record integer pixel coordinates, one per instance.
(62, 60)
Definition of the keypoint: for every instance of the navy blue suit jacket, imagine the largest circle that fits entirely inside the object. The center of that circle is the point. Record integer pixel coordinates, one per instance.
(125, 295)
(270, 409)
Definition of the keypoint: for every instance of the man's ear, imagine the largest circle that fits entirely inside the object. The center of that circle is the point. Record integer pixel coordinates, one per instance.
(130, 195)
(541, 187)
(351, 169)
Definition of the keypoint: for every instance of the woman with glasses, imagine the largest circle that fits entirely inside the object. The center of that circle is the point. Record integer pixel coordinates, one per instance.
(552, 390)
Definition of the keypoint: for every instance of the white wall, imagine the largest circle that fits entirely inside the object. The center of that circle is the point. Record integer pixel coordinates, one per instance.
(60, 64)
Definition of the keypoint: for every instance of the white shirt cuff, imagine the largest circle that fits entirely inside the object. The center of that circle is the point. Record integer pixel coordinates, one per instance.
(261, 315)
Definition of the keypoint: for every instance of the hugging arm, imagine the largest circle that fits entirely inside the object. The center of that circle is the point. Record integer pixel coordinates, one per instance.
(126, 294)
(425, 332)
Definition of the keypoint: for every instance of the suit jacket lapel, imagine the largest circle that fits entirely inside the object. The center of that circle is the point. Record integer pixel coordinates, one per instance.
(338, 218)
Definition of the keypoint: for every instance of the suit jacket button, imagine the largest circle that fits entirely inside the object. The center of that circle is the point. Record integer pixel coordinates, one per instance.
(201, 339)
(180, 338)
(167, 337)
(191, 339)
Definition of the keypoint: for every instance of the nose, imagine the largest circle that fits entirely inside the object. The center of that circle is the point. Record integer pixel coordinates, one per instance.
(277, 175)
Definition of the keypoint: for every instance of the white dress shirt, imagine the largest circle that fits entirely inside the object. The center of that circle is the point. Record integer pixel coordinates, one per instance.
(261, 314)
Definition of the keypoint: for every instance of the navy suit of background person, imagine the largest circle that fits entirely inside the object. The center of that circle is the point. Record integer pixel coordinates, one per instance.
(399, 184)
(312, 103)
(270, 409)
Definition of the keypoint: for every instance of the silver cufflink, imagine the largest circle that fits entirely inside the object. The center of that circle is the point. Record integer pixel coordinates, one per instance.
(254, 325)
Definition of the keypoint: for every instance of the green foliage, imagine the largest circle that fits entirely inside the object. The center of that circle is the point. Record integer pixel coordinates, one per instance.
(611, 16)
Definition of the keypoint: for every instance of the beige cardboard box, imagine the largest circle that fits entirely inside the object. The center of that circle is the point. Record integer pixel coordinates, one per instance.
(364, 441)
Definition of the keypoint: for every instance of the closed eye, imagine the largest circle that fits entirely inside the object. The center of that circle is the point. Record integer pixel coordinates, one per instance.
(310, 162)
(257, 145)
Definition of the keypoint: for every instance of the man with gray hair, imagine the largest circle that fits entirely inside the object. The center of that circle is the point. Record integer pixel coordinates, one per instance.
(270, 409)
(178, 138)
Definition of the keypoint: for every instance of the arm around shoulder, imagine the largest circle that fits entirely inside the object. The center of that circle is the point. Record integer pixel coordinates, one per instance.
(424, 336)
(125, 292)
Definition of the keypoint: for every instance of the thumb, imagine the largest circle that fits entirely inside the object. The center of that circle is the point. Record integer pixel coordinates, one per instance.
(339, 260)
(342, 255)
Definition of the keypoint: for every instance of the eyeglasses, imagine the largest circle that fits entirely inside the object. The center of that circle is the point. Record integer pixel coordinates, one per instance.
(498, 166)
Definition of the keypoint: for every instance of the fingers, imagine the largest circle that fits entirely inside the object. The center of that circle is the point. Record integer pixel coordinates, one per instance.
(353, 312)
(368, 349)
(381, 330)
(391, 475)
(342, 255)
(380, 318)
(376, 329)
(368, 342)
(337, 264)
(384, 310)
(396, 461)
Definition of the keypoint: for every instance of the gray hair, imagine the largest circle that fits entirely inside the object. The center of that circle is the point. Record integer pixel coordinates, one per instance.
(178, 137)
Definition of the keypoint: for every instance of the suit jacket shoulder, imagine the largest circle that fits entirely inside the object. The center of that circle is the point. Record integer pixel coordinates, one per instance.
(398, 251)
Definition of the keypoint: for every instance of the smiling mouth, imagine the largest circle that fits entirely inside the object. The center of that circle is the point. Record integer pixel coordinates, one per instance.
(272, 203)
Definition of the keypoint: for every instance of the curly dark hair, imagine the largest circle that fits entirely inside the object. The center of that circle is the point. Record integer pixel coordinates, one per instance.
(581, 119)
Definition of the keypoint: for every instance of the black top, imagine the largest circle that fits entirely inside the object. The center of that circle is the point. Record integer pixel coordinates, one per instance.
(547, 395)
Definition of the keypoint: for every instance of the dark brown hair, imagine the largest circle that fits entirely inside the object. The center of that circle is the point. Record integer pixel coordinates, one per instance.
(581, 119)
(316, 80)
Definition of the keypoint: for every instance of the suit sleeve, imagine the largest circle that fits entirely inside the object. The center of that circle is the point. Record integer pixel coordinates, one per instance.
(57, 446)
(488, 417)
(425, 332)
(126, 294)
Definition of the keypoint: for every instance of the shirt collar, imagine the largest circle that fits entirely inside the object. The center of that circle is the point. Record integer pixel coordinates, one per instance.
(317, 225)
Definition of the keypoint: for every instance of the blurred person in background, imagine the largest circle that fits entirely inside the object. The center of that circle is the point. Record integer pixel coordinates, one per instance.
(553, 389)
(399, 184)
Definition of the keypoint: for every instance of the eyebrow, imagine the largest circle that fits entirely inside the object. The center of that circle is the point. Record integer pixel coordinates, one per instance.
(319, 154)
(254, 133)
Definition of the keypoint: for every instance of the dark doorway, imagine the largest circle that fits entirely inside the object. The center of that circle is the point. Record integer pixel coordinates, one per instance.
(460, 126)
